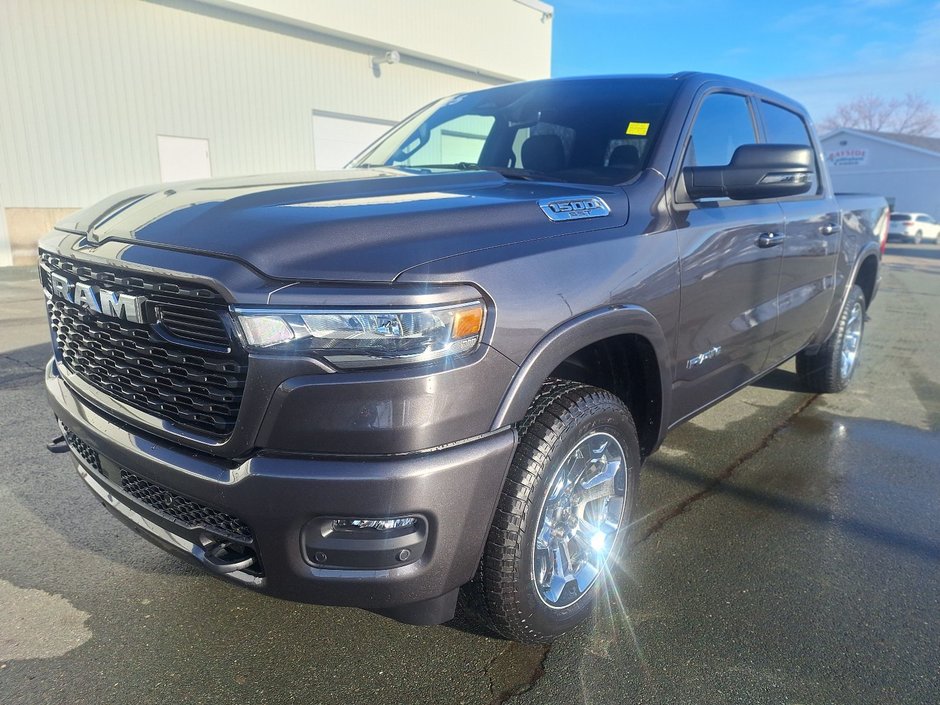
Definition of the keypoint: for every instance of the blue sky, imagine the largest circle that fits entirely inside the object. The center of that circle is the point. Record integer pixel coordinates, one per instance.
(821, 53)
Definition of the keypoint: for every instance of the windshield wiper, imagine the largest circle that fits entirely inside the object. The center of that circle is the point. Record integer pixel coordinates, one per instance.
(508, 172)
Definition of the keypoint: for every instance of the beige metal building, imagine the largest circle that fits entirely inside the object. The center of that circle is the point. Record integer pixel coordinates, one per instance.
(100, 95)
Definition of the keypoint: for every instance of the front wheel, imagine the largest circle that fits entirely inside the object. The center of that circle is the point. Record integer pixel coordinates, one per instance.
(830, 369)
(562, 515)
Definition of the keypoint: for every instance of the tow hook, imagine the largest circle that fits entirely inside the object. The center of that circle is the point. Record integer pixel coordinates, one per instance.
(222, 557)
(57, 445)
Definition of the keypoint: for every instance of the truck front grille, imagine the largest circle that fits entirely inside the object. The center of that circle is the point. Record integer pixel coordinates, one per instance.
(182, 510)
(185, 512)
(85, 451)
(181, 365)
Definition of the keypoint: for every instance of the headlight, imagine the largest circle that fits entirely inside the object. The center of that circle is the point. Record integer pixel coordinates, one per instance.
(366, 338)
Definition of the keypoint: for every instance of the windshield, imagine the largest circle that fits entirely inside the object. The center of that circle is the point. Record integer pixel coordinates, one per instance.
(900, 216)
(584, 131)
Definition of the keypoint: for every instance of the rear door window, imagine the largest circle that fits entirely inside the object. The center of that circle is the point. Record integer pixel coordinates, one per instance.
(786, 127)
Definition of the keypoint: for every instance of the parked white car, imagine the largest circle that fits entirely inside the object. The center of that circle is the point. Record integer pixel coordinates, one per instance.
(913, 227)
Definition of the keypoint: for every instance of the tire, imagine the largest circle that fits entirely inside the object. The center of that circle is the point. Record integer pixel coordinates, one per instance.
(831, 368)
(517, 591)
(918, 237)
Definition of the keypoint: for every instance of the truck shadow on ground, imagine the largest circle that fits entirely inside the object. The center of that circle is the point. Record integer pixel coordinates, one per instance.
(781, 380)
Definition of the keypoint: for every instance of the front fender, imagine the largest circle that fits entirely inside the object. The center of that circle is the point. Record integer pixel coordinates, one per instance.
(574, 335)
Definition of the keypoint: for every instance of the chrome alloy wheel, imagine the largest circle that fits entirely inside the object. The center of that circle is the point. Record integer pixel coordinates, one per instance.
(852, 340)
(579, 520)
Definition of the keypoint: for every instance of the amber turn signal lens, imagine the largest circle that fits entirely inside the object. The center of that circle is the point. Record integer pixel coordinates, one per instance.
(467, 322)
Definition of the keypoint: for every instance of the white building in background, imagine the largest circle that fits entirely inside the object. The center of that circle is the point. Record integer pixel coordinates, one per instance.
(97, 96)
(905, 169)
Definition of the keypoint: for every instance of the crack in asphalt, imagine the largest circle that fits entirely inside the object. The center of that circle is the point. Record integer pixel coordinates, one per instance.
(40, 368)
(725, 474)
(532, 660)
(15, 373)
(488, 666)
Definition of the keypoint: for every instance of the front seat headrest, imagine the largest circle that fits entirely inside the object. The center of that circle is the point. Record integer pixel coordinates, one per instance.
(543, 153)
(626, 156)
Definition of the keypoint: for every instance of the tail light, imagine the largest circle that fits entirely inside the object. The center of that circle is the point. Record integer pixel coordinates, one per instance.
(882, 228)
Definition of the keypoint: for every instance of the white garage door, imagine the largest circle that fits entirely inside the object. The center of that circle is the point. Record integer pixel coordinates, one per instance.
(337, 139)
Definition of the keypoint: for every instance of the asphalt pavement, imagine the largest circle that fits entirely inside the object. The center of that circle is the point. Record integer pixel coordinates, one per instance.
(788, 552)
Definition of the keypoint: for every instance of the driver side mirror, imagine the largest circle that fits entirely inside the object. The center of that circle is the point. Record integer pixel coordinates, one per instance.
(756, 171)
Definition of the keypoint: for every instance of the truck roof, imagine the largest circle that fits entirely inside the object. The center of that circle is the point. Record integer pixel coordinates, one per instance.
(692, 80)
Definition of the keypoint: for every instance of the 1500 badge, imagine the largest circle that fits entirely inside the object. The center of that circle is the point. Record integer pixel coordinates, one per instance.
(574, 208)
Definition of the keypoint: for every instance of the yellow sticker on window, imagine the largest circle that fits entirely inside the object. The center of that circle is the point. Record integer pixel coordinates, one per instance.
(638, 128)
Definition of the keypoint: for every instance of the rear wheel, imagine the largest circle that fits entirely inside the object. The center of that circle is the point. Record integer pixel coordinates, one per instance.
(562, 516)
(918, 237)
(830, 369)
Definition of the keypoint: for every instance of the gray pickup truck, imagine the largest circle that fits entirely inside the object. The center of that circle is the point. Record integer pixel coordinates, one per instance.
(436, 373)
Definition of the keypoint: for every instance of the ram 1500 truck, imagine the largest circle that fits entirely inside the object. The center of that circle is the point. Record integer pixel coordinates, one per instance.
(437, 371)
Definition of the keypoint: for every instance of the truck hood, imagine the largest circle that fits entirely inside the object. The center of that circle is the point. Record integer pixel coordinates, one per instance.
(349, 225)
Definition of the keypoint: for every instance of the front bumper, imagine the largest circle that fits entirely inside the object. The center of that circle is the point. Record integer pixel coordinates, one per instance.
(452, 489)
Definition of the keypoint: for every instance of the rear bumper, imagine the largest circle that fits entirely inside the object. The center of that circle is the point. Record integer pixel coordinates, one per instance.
(285, 502)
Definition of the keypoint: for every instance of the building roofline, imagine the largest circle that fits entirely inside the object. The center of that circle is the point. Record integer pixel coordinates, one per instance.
(877, 138)
(366, 43)
(547, 10)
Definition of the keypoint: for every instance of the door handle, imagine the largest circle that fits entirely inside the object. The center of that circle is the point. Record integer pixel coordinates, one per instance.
(830, 228)
(770, 239)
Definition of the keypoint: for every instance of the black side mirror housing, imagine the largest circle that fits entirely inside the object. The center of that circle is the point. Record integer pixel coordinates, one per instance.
(756, 171)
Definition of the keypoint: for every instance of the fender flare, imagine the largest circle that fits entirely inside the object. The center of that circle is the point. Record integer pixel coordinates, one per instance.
(578, 333)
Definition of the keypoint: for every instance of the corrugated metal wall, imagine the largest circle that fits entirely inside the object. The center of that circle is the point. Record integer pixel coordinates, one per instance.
(87, 85)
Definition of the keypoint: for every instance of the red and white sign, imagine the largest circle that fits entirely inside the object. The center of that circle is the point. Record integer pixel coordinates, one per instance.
(847, 156)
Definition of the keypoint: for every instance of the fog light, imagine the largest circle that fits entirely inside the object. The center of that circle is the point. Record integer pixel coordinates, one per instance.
(376, 524)
(361, 543)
